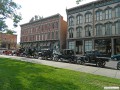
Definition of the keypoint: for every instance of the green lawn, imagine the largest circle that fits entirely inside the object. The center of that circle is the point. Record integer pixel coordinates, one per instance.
(18, 75)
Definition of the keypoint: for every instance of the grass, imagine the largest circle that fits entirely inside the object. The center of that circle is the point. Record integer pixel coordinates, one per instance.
(18, 75)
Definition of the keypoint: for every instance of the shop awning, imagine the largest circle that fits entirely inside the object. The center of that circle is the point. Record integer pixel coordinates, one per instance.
(48, 44)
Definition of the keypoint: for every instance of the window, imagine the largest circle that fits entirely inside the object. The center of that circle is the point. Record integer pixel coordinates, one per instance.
(71, 45)
(88, 17)
(108, 13)
(57, 35)
(70, 21)
(48, 35)
(108, 29)
(88, 31)
(42, 28)
(117, 27)
(52, 35)
(39, 37)
(45, 36)
(79, 32)
(52, 25)
(79, 19)
(99, 15)
(117, 11)
(71, 33)
(35, 38)
(99, 30)
(56, 24)
(88, 45)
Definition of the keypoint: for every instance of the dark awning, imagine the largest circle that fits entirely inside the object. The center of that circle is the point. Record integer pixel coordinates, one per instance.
(40, 44)
(48, 44)
(44, 44)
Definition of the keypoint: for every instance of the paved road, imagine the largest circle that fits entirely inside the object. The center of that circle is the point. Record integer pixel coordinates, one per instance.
(82, 68)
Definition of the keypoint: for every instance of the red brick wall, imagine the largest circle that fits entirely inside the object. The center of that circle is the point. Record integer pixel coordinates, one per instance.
(9, 39)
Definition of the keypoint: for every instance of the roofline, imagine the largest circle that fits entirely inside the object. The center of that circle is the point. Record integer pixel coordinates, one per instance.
(83, 5)
(42, 19)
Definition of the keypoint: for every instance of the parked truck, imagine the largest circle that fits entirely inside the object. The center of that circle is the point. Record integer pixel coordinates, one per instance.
(67, 55)
(94, 57)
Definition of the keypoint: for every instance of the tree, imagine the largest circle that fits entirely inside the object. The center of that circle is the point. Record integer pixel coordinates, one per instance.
(8, 9)
(78, 1)
(8, 31)
(35, 18)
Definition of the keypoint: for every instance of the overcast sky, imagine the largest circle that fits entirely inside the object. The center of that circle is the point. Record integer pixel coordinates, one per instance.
(44, 8)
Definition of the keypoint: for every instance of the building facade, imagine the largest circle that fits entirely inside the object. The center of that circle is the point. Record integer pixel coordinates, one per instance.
(49, 32)
(94, 26)
(8, 41)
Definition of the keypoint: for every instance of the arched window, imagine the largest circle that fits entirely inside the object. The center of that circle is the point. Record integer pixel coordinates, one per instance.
(99, 15)
(48, 35)
(56, 24)
(71, 21)
(88, 17)
(99, 28)
(79, 19)
(117, 11)
(117, 27)
(71, 33)
(108, 13)
(78, 32)
(108, 29)
(88, 31)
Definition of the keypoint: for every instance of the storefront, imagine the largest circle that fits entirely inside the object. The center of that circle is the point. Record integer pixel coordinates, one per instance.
(117, 46)
(88, 45)
(103, 45)
(79, 47)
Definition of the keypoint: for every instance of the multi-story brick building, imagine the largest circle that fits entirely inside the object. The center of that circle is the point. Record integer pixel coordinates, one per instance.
(8, 41)
(94, 26)
(49, 32)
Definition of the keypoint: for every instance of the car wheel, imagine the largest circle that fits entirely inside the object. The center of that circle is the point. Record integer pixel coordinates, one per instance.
(115, 59)
(103, 64)
(81, 62)
(118, 65)
(99, 64)
(56, 59)
(51, 58)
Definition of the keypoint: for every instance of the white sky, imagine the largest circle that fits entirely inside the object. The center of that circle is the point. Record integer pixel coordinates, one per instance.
(43, 8)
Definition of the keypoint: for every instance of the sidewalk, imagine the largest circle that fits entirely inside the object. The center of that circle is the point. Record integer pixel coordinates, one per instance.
(82, 68)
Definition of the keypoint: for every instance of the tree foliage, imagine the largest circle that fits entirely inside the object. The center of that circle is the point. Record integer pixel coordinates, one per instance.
(8, 9)
(8, 31)
(78, 1)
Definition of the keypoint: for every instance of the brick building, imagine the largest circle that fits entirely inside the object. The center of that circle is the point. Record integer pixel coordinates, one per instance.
(8, 41)
(94, 26)
(49, 32)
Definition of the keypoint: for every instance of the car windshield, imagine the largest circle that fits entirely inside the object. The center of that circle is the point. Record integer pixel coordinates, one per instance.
(69, 52)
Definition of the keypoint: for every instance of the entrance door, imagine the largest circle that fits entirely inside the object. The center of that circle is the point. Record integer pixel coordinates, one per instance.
(78, 47)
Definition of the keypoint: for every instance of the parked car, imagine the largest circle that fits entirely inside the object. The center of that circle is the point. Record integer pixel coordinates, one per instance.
(94, 57)
(118, 65)
(115, 57)
(46, 54)
(116, 60)
(67, 55)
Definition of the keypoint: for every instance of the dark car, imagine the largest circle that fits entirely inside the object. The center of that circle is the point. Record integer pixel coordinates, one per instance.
(115, 57)
(116, 60)
(94, 57)
(66, 55)
(46, 54)
(118, 65)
